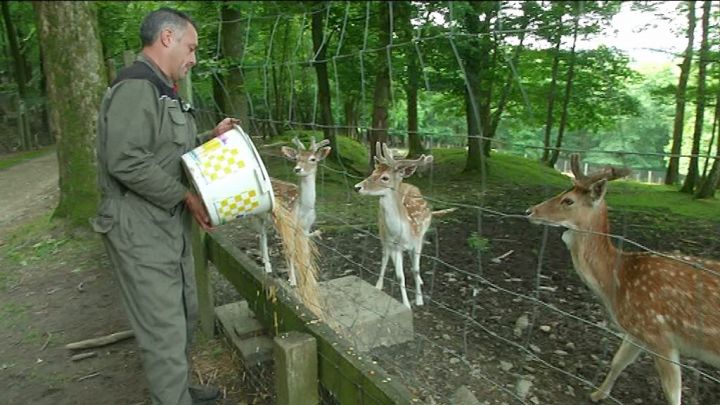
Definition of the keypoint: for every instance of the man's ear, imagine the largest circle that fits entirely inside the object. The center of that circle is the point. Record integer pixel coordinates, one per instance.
(598, 190)
(289, 153)
(322, 153)
(166, 37)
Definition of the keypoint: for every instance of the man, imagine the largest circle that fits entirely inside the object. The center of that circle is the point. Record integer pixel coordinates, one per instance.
(146, 207)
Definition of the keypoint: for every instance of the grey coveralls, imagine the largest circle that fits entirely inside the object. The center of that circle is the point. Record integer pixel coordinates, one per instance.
(145, 226)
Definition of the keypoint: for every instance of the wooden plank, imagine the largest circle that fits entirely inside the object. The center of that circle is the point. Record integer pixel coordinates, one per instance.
(350, 376)
(206, 305)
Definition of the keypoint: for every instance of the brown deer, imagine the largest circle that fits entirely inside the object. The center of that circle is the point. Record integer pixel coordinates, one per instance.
(298, 199)
(668, 306)
(403, 218)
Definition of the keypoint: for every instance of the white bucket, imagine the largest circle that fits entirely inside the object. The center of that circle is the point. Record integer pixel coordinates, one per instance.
(230, 177)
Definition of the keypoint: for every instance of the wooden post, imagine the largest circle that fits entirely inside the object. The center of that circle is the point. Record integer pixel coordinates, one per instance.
(110, 68)
(206, 305)
(128, 58)
(186, 88)
(22, 134)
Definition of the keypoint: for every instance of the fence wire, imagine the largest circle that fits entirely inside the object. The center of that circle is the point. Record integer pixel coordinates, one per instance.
(497, 342)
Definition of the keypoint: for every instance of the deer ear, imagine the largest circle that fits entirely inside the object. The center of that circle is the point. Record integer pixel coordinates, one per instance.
(407, 171)
(289, 153)
(323, 153)
(598, 190)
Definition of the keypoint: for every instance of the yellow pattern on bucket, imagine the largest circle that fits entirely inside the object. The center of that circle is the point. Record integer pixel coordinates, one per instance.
(240, 204)
(221, 163)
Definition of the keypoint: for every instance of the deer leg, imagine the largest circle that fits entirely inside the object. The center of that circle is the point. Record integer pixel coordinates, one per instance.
(400, 274)
(292, 279)
(626, 354)
(418, 279)
(383, 267)
(670, 375)
(261, 227)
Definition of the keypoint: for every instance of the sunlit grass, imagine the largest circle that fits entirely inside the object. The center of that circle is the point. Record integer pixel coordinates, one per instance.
(504, 173)
(12, 159)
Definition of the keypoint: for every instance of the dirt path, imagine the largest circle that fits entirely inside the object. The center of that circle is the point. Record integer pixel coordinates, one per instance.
(56, 289)
(27, 190)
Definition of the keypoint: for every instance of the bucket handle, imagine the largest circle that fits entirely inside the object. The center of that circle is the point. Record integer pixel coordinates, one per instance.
(261, 180)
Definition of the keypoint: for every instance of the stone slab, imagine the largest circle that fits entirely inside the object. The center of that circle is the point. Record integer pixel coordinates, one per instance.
(255, 350)
(238, 319)
(364, 315)
(245, 332)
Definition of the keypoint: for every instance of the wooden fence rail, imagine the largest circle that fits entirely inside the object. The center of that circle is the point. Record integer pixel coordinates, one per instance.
(347, 374)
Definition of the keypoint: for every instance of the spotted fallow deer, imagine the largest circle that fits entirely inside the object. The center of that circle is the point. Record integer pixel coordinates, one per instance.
(403, 218)
(667, 306)
(298, 199)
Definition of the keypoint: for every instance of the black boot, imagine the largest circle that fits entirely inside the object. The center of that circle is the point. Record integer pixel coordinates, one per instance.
(204, 394)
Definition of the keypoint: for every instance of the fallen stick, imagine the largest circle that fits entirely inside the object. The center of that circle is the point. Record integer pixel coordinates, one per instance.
(88, 376)
(83, 356)
(101, 341)
(46, 341)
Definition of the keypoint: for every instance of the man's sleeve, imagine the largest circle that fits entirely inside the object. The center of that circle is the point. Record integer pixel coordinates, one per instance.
(132, 125)
(204, 137)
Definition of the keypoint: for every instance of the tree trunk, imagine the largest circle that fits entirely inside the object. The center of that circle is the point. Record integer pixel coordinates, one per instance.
(403, 15)
(478, 76)
(232, 39)
(378, 131)
(351, 118)
(712, 180)
(219, 96)
(692, 176)
(505, 94)
(20, 79)
(320, 43)
(568, 91)
(43, 94)
(73, 65)
(551, 96)
(672, 174)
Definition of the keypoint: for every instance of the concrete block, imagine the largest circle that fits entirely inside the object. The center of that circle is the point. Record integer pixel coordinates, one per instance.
(364, 315)
(255, 350)
(296, 369)
(245, 332)
(238, 319)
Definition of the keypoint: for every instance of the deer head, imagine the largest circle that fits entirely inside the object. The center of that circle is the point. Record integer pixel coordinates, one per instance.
(577, 207)
(389, 173)
(306, 160)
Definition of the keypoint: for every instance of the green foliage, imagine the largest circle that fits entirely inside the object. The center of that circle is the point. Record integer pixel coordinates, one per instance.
(478, 243)
(12, 314)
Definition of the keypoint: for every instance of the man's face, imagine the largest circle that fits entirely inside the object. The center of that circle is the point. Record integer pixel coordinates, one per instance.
(182, 52)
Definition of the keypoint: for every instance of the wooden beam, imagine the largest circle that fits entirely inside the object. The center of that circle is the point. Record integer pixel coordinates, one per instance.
(347, 374)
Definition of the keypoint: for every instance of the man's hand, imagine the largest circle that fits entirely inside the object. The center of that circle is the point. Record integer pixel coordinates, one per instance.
(195, 205)
(225, 125)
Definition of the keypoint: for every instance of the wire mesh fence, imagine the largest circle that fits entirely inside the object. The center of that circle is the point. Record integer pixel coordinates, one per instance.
(504, 313)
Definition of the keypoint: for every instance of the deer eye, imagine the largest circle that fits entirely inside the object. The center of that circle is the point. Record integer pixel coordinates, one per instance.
(567, 202)
(385, 177)
(312, 159)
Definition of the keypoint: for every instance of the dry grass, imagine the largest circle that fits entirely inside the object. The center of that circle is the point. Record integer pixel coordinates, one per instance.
(302, 252)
